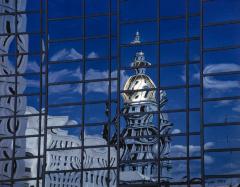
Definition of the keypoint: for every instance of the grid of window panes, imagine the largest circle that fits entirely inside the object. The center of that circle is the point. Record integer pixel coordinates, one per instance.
(220, 65)
(22, 84)
(63, 67)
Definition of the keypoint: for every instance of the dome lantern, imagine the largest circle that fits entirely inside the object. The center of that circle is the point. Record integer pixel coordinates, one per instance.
(139, 63)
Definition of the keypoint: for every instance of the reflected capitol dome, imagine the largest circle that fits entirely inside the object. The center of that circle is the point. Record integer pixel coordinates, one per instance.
(140, 103)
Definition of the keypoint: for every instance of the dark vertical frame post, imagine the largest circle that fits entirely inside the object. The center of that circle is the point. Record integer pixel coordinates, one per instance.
(83, 90)
(14, 163)
(118, 92)
(40, 96)
(158, 91)
(201, 96)
(187, 89)
(109, 87)
(46, 96)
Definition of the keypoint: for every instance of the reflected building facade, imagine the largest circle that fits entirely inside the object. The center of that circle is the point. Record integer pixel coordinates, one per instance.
(10, 86)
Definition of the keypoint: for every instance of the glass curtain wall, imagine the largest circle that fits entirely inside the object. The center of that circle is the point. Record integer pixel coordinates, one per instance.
(104, 93)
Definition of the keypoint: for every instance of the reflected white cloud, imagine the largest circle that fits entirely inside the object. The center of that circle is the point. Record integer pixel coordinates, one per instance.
(213, 83)
(181, 151)
(208, 159)
(60, 89)
(96, 74)
(93, 55)
(208, 145)
(176, 131)
(59, 75)
(33, 66)
(218, 87)
(66, 54)
(223, 103)
(216, 68)
(33, 83)
(183, 76)
(102, 87)
(56, 76)
(97, 87)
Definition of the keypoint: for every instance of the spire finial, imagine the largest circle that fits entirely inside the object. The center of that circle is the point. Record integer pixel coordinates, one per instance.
(136, 38)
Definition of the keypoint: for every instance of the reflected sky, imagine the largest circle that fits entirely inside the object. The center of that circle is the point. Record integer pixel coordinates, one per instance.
(65, 57)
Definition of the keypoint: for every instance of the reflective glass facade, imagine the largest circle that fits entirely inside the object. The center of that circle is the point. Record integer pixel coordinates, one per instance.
(119, 93)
